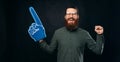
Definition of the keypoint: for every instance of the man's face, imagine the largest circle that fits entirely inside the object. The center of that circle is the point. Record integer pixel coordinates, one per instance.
(71, 18)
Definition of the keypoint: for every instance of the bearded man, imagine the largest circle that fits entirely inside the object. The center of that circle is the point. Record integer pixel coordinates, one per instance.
(71, 40)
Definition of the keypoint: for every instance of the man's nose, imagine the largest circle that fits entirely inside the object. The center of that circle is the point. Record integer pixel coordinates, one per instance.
(71, 15)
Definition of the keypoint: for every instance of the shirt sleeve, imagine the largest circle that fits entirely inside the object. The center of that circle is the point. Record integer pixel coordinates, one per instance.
(96, 46)
(52, 46)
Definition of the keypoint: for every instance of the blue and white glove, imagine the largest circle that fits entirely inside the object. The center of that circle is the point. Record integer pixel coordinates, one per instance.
(36, 30)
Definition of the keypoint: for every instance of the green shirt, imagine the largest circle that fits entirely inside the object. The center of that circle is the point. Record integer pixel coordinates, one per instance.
(71, 44)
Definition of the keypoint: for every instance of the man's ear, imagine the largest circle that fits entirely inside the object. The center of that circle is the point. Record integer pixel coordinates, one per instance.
(65, 17)
(78, 17)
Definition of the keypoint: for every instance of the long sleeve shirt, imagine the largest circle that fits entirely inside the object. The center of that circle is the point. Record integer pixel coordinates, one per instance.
(71, 44)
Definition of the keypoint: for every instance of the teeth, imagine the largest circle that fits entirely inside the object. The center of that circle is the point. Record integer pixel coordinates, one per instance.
(70, 21)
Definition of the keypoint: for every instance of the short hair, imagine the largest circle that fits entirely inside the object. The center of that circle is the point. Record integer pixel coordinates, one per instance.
(75, 7)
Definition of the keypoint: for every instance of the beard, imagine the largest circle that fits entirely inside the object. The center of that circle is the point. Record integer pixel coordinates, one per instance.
(71, 24)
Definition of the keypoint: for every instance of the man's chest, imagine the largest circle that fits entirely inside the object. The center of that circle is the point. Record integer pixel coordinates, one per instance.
(71, 39)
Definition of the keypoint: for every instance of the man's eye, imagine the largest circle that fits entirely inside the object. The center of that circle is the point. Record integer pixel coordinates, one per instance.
(71, 13)
(68, 14)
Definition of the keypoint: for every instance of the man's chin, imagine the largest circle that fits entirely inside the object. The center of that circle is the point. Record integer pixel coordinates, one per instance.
(71, 27)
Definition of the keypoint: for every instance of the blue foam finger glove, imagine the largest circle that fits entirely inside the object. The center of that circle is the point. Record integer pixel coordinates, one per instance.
(36, 30)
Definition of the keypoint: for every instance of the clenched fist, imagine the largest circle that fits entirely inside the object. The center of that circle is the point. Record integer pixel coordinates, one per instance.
(99, 29)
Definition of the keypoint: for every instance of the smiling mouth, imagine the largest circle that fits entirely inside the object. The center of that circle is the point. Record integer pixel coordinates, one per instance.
(70, 22)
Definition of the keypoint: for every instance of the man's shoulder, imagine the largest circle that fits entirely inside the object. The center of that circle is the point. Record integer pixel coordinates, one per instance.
(60, 29)
(82, 30)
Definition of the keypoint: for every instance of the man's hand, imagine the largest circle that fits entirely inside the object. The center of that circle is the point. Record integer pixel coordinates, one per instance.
(36, 30)
(40, 41)
(99, 29)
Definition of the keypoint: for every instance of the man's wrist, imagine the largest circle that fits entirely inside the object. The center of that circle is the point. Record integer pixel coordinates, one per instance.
(40, 41)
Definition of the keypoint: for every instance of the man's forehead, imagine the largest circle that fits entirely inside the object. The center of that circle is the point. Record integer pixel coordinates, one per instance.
(71, 10)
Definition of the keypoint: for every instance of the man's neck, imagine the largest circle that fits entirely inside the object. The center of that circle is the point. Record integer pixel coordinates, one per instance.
(73, 29)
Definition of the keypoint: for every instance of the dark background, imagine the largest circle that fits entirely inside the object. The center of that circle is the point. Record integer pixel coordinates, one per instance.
(17, 46)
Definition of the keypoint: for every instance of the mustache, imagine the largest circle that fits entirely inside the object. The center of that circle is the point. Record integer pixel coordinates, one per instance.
(71, 18)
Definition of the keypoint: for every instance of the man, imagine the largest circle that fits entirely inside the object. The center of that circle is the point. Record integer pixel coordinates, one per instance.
(70, 40)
